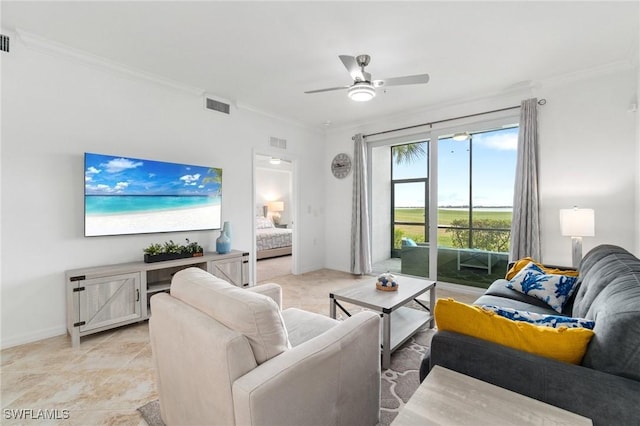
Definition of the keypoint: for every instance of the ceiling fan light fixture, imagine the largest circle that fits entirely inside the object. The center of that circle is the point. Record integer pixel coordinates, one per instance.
(463, 136)
(362, 92)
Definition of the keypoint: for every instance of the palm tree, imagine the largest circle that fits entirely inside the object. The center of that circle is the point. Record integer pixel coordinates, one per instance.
(215, 179)
(408, 153)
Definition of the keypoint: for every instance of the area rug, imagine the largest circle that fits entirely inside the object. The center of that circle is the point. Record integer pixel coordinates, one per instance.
(397, 384)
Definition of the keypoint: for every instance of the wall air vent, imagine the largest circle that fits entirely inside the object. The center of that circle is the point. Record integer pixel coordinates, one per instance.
(277, 143)
(214, 105)
(4, 43)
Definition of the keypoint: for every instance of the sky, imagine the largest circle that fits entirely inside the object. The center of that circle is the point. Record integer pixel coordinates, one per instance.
(493, 168)
(110, 175)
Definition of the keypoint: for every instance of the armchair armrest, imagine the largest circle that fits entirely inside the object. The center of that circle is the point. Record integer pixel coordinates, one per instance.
(333, 378)
(604, 398)
(272, 290)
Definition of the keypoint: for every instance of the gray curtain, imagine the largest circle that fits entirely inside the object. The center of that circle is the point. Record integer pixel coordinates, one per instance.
(360, 238)
(525, 227)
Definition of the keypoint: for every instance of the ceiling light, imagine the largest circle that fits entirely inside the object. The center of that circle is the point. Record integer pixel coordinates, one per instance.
(463, 136)
(362, 91)
(274, 160)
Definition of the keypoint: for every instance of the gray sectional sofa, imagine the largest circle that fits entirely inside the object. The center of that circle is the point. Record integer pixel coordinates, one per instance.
(606, 386)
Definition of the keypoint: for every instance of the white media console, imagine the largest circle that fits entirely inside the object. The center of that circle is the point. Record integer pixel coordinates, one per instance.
(104, 297)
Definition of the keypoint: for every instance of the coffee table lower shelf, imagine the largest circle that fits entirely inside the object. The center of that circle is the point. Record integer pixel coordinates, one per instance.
(404, 324)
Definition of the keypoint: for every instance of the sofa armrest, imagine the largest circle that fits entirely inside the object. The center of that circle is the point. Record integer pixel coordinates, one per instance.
(605, 398)
(333, 378)
(272, 290)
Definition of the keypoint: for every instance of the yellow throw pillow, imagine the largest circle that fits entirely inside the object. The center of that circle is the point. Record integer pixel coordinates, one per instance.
(518, 265)
(563, 344)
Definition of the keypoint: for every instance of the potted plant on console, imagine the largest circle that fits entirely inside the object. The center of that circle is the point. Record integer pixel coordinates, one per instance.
(170, 251)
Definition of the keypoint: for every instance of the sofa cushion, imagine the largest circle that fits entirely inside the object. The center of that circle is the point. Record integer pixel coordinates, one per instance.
(254, 315)
(499, 288)
(610, 295)
(555, 321)
(553, 289)
(521, 263)
(540, 308)
(563, 344)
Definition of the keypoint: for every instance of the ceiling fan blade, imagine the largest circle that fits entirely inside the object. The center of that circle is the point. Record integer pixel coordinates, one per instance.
(351, 65)
(327, 90)
(399, 81)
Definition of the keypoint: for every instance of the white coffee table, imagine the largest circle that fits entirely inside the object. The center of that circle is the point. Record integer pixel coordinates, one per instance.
(399, 322)
(448, 398)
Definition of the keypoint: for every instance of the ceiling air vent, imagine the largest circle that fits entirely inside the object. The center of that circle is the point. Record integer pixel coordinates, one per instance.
(4, 43)
(277, 142)
(217, 106)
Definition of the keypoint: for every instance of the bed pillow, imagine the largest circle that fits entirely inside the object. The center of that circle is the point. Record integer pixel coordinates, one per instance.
(553, 289)
(264, 223)
(563, 344)
(555, 321)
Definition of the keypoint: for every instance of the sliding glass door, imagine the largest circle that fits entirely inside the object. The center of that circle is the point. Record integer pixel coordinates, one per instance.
(475, 196)
(465, 239)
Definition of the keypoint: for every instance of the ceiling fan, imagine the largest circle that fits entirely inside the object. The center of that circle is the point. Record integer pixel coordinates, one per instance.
(363, 88)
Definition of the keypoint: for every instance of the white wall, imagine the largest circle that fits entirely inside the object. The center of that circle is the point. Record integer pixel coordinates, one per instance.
(54, 108)
(587, 157)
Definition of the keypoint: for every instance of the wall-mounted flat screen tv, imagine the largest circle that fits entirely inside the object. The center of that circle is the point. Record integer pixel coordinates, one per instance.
(124, 195)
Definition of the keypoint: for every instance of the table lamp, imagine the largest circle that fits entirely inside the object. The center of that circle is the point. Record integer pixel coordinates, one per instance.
(577, 223)
(276, 207)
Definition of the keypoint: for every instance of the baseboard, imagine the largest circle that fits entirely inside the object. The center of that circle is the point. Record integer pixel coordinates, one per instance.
(32, 337)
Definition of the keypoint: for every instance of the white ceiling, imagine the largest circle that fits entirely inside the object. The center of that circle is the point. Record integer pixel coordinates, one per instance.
(264, 55)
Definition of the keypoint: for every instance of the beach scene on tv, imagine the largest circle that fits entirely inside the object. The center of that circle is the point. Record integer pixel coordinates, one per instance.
(135, 196)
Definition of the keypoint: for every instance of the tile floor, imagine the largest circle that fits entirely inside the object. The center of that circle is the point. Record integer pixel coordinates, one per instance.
(110, 375)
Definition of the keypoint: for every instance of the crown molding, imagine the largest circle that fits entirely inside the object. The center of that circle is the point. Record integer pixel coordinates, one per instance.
(47, 46)
(285, 120)
(589, 73)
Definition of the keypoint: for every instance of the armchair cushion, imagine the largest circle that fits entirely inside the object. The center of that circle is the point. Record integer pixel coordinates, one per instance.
(304, 325)
(251, 314)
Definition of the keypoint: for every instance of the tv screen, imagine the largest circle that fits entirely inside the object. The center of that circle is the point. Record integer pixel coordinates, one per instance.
(124, 195)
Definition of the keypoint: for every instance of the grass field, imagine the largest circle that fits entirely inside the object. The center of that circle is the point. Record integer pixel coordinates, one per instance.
(445, 217)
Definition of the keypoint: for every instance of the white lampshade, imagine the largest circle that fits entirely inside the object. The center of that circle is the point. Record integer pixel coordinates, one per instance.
(362, 92)
(276, 206)
(577, 222)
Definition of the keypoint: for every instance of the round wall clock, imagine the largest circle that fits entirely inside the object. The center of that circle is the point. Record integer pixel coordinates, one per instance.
(341, 165)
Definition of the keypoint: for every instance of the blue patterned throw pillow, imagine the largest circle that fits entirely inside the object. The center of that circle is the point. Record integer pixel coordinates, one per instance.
(554, 289)
(555, 321)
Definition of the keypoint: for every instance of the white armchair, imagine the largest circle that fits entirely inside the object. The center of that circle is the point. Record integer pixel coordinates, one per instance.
(229, 356)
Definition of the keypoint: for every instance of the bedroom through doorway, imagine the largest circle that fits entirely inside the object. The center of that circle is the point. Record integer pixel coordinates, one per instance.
(274, 224)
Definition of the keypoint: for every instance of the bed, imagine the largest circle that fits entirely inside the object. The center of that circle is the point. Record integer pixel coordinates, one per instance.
(271, 241)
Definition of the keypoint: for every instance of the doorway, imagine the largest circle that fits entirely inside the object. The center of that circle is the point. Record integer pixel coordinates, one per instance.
(274, 217)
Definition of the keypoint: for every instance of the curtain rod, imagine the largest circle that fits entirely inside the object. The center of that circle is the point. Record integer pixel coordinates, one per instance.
(540, 102)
